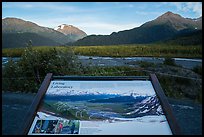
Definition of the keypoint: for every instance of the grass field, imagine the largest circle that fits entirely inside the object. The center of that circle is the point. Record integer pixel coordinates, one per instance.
(150, 50)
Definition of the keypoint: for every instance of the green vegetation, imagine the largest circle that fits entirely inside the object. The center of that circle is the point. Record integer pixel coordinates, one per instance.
(169, 61)
(198, 70)
(18, 52)
(152, 50)
(140, 50)
(14, 40)
(30, 70)
(176, 87)
(12, 52)
(27, 74)
(190, 38)
(14, 80)
(145, 64)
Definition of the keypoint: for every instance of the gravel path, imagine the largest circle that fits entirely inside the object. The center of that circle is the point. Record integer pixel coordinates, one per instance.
(15, 106)
(188, 115)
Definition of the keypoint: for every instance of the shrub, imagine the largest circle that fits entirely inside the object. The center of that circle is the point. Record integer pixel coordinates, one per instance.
(30, 70)
(198, 70)
(145, 64)
(169, 61)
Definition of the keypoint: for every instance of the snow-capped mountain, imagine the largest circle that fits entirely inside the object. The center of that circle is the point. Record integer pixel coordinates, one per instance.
(149, 106)
(16, 32)
(72, 31)
(19, 26)
(64, 92)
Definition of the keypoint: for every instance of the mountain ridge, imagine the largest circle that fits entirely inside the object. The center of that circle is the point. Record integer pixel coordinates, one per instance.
(16, 26)
(162, 28)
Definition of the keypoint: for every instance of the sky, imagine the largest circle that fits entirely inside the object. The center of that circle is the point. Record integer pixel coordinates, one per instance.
(100, 18)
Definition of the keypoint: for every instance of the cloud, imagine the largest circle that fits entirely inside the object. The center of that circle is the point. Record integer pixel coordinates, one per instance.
(56, 6)
(130, 6)
(90, 26)
(106, 28)
(196, 7)
(152, 13)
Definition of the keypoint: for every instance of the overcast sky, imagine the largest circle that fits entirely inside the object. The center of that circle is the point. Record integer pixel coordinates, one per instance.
(97, 17)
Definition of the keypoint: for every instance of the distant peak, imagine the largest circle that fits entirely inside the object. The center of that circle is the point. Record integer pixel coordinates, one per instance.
(12, 18)
(169, 15)
(69, 29)
(63, 26)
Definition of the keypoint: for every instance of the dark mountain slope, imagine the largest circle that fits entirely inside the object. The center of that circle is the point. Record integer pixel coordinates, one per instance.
(15, 25)
(188, 38)
(162, 28)
(13, 40)
(20, 31)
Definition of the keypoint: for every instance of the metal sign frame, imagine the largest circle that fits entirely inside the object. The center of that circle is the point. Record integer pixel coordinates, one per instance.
(152, 77)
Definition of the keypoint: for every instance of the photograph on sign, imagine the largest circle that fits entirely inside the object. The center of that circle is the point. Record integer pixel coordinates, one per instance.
(48, 126)
(100, 107)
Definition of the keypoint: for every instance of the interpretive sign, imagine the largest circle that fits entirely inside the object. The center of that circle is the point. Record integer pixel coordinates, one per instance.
(106, 106)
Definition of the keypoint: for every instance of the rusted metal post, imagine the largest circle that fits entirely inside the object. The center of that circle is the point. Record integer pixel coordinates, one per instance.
(165, 105)
(33, 108)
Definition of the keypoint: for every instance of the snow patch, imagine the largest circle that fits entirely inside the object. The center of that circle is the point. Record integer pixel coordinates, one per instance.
(143, 111)
(62, 26)
(56, 28)
(159, 109)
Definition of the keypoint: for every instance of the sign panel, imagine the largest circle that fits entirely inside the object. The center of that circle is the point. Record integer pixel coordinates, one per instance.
(129, 107)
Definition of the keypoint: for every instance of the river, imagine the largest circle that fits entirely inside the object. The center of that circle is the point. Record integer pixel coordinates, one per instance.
(126, 61)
